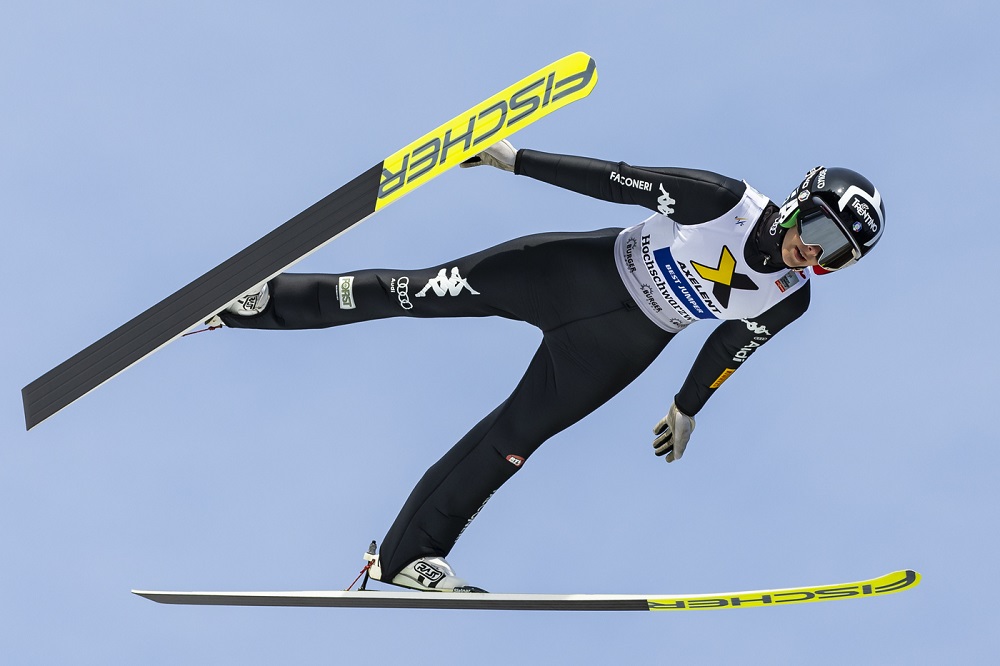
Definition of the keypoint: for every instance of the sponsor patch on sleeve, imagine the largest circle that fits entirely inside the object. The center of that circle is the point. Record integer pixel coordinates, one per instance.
(347, 292)
(723, 377)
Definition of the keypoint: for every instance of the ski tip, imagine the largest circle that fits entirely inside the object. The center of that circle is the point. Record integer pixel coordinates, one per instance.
(581, 56)
(910, 578)
(897, 581)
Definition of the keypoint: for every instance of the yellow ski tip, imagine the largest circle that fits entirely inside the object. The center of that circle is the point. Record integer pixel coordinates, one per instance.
(897, 581)
(535, 96)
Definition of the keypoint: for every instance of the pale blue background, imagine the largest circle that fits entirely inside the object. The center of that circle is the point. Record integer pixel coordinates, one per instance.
(143, 143)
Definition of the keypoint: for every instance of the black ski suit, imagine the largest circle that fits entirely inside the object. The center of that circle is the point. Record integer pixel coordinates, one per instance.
(596, 340)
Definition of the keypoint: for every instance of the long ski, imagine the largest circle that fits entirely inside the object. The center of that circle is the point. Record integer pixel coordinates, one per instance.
(517, 106)
(896, 581)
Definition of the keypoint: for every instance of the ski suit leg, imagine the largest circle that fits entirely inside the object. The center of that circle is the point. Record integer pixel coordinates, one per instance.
(595, 342)
(306, 301)
(576, 369)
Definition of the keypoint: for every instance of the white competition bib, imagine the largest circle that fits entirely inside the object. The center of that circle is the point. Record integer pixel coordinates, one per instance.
(681, 273)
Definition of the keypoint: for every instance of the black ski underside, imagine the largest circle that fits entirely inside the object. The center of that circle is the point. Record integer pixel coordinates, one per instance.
(202, 298)
(379, 599)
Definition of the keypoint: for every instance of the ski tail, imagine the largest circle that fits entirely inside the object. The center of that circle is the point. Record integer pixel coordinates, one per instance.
(533, 97)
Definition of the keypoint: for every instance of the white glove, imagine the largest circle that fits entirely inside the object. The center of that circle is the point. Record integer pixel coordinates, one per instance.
(500, 155)
(672, 434)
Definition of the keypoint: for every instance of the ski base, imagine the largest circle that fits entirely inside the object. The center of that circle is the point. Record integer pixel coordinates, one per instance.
(896, 581)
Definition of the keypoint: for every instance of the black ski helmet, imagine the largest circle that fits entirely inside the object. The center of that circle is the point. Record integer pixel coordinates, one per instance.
(846, 198)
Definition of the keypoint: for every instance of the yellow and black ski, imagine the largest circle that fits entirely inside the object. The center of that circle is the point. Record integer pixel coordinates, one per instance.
(533, 97)
(887, 584)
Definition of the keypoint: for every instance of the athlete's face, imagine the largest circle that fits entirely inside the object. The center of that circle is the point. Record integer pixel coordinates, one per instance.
(797, 254)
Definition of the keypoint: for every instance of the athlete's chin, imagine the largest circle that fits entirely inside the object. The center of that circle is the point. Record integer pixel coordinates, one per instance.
(792, 261)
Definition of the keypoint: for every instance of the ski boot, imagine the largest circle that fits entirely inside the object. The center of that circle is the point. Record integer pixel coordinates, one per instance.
(427, 574)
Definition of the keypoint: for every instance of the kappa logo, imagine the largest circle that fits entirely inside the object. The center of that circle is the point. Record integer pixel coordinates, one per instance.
(756, 328)
(447, 285)
(725, 277)
(664, 202)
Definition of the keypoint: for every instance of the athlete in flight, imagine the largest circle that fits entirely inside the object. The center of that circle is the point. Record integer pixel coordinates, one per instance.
(607, 302)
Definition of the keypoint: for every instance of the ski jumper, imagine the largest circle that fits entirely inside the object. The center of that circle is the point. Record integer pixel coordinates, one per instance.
(607, 302)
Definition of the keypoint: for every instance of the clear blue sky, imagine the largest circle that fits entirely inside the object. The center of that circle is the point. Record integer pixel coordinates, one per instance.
(143, 143)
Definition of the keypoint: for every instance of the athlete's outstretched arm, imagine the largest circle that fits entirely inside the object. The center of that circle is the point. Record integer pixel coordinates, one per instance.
(688, 196)
(730, 345)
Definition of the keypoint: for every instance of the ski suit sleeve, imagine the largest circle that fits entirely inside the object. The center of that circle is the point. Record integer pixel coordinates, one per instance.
(730, 345)
(689, 196)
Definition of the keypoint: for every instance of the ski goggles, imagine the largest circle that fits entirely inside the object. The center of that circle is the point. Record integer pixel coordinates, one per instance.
(824, 228)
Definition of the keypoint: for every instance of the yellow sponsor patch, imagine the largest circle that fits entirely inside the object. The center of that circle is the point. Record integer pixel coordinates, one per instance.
(723, 377)
(533, 97)
(723, 273)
